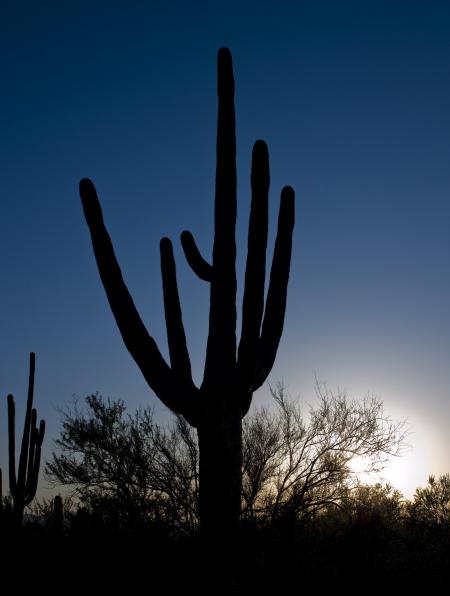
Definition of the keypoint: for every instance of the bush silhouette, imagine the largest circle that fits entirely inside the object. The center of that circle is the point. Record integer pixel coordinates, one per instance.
(295, 464)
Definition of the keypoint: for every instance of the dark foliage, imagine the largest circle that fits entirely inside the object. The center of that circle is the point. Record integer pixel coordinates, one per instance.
(127, 468)
(294, 463)
(343, 533)
(372, 541)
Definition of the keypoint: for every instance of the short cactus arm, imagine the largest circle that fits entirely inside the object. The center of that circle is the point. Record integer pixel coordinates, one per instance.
(41, 432)
(197, 263)
(140, 344)
(176, 337)
(253, 301)
(12, 444)
(275, 309)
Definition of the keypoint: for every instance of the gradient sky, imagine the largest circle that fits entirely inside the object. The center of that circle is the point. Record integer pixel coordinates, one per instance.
(353, 100)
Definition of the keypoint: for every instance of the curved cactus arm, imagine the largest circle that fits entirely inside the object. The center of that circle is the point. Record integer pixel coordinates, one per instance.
(139, 343)
(275, 309)
(12, 444)
(255, 272)
(176, 337)
(197, 263)
(221, 346)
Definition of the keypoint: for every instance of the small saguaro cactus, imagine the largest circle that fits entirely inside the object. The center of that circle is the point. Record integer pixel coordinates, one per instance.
(233, 371)
(57, 520)
(23, 486)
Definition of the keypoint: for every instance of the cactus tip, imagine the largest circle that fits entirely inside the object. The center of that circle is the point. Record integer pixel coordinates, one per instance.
(260, 145)
(165, 246)
(224, 53)
(86, 185)
(288, 192)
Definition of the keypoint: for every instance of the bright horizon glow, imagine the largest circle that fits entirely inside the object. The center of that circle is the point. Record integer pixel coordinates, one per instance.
(411, 468)
(405, 473)
(416, 460)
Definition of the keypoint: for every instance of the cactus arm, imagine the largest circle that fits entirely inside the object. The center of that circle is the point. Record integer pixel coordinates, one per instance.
(32, 480)
(41, 432)
(176, 337)
(12, 444)
(139, 343)
(253, 300)
(33, 474)
(221, 346)
(195, 260)
(275, 309)
(32, 449)
(27, 427)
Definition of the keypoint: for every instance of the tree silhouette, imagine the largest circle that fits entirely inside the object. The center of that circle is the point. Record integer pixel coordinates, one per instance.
(23, 486)
(127, 465)
(232, 373)
(431, 504)
(297, 463)
(294, 464)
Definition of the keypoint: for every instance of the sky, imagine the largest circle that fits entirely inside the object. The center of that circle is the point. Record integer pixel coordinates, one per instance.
(353, 100)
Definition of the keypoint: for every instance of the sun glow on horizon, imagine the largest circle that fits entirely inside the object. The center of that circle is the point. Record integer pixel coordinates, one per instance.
(405, 472)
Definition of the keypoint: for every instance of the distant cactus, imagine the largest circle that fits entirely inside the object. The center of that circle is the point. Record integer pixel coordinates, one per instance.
(57, 521)
(232, 372)
(23, 486)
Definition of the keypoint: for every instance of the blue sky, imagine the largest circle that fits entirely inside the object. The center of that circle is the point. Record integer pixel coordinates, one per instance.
(353, 100)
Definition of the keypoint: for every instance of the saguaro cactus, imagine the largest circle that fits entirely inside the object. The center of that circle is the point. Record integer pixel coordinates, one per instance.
(57, 519)
(23, 486)
(232, 373)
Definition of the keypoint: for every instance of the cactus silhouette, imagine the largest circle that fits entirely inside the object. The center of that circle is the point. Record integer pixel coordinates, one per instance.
(232, 372)
(57, 519)
(23, 486)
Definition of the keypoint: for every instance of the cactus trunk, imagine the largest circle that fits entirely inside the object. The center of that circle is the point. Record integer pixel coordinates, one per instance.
(220, 438)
